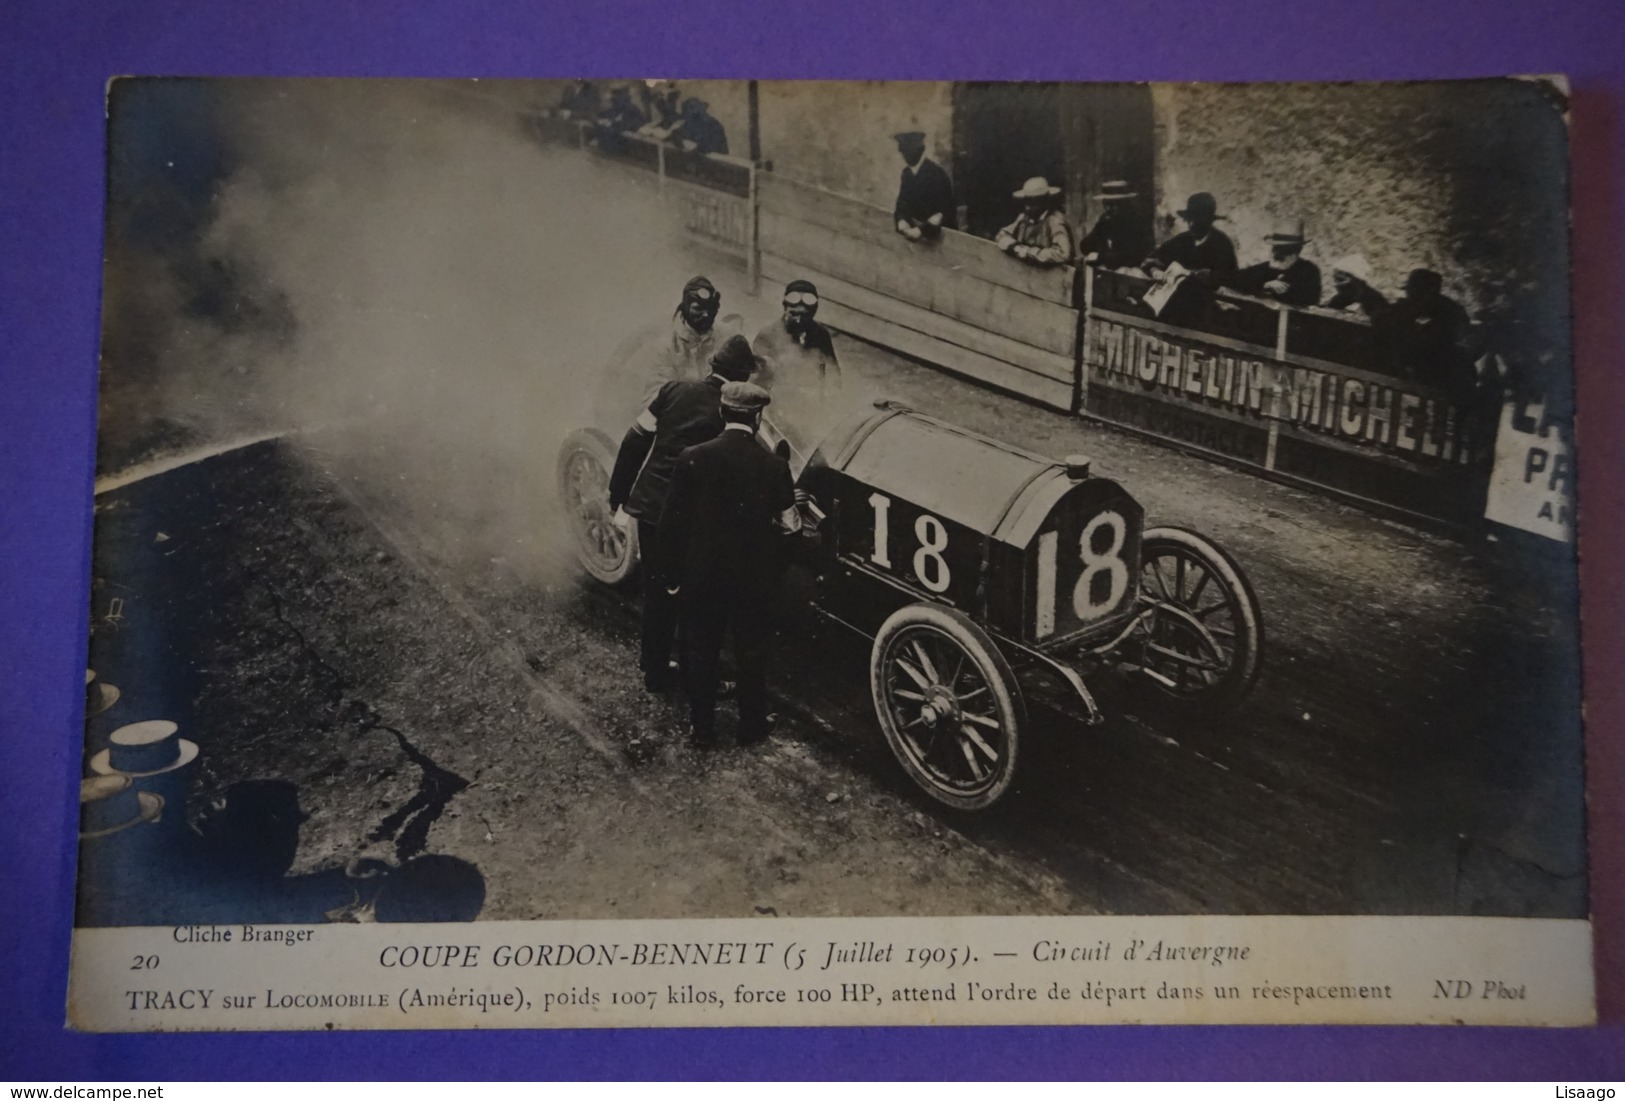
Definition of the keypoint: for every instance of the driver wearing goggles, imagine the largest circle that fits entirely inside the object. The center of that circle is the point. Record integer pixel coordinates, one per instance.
(799, 366)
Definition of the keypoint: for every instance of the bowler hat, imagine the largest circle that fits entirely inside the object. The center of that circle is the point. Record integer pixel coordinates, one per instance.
(735, 360)
(1199, 205)
(1036, 188)
(744, 397)
(903, 136)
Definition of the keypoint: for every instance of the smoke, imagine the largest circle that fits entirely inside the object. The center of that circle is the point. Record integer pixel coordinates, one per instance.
(450, 289)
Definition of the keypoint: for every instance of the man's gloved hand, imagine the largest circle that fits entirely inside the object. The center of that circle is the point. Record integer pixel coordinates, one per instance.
(622, 522)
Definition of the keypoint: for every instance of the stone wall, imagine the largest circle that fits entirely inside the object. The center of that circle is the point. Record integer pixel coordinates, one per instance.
(1465, 177)
(838, 136)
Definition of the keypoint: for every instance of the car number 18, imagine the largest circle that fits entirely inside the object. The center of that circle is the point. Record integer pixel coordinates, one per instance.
(1097, 592)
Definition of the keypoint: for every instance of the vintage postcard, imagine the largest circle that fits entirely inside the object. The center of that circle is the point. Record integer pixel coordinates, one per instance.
(689, 552)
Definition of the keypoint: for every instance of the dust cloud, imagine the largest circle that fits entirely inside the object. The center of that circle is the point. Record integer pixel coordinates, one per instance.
(452, 290)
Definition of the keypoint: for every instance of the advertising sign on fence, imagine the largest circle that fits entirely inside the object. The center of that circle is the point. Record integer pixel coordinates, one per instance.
(1532, 485)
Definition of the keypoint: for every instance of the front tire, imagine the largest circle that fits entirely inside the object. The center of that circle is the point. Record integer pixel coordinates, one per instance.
(948, 704)
(604, 551)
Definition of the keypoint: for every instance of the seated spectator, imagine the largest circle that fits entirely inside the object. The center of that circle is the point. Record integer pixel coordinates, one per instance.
(698, 132)
(661, 103)
(579, 101)
(620, 116)
(1120, 238)
(1202, 250)
(1352, 291)
(1286, 276)
(1427, 335)
(799, 367)
(925, 196)
(1040, 234)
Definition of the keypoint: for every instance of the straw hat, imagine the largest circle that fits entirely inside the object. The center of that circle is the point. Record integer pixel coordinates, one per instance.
(1287, 235)
(1036, 188)
(110, 804)
(1354, 264)
(99, 695)
(144, 749)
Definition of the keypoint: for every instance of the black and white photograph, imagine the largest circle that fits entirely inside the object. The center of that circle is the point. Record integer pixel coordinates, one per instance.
(676, 499)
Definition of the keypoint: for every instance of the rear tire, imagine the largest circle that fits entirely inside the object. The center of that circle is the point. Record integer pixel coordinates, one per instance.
(604, 551)
(1205, 640)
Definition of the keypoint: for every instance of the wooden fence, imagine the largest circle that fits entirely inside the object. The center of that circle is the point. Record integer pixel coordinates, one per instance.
(1303, 395)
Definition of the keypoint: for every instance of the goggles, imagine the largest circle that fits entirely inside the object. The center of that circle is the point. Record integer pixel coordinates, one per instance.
(801, 298)
(701, 294)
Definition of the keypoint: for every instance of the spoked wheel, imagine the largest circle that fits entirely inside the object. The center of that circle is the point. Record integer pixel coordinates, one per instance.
(1205, 636)
(605, 552)
(948, 704)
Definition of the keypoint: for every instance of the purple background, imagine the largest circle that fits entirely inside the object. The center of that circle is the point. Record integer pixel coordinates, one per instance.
(55, 59)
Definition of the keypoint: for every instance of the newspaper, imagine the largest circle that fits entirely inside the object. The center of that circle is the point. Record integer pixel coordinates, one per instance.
(1135, 659)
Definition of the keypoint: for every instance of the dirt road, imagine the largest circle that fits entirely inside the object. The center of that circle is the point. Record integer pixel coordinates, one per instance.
(305, 619)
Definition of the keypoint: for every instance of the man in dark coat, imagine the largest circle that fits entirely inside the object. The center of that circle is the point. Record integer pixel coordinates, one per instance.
(579, 101)
(731, 504)
(1286, 276)
(1202, 250)
(925, 196)
(1352, 291)
(621, 116)
(1427, 334)
(1120, 237)
(698, 131)
(682, 414)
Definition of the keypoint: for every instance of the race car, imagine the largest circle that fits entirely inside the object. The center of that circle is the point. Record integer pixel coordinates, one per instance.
(967, 560)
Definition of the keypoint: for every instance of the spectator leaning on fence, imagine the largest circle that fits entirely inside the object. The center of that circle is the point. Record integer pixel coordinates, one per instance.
(1040, 234)
(621, 115)
(1202, 250)
(1286, 276)
(1428, 336)
(698, 132)
(925, 196)
(579, 101)
(1120, 238)
(661, 100)
(1352, 291)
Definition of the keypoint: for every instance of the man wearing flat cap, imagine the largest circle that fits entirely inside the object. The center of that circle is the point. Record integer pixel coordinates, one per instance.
(1120, 237)
(1202, 250)
(925, 195)
(730, 505)
(682, 414)
(1286, 277)
(799, 366)
(1040, 235)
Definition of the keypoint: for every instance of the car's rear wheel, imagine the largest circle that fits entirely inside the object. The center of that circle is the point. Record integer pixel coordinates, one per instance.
(1203, 642)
